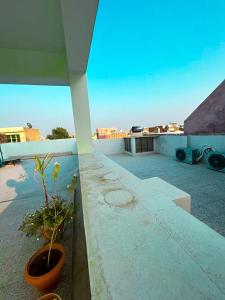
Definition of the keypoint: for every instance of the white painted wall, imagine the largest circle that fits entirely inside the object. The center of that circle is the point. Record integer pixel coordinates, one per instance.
(109, 146)
(113, 146)
(37, 148)
(217, 141)
(167, 144)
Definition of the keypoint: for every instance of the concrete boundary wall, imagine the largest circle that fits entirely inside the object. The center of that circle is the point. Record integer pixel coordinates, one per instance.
(109, 146)
(37, 148)
(217, 141)
(113, 146)
(167, 144)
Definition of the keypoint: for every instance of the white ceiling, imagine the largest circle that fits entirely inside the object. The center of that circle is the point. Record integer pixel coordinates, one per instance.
(33, 47)
(31, 25)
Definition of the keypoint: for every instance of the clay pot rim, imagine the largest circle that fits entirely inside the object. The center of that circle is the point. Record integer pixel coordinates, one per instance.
(60, 263)
(51, 294)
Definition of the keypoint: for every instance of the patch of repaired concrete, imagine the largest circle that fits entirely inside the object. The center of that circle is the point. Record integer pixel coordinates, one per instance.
(93, 166)
(111, 176)
(119, 198)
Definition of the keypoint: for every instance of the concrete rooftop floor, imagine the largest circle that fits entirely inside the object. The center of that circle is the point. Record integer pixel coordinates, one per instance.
(21, 193)
(205, 186)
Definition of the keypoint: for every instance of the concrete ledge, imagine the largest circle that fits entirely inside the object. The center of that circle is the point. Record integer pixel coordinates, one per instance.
(42, 155)
(141, 245)
(81, 284)
(159, 187)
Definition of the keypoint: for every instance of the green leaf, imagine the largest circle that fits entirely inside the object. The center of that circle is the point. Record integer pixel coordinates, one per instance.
(38, 163)
(56, 171)
(49, 159)
(59, 212)
(72, 186)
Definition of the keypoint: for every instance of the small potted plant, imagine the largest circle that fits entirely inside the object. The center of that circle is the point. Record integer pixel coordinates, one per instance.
(42, 221)
(44, 267)
(46, 220)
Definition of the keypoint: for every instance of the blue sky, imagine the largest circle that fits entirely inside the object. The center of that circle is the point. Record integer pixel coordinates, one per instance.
(151, 62)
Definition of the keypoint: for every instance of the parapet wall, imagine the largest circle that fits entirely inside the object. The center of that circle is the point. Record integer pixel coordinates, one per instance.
(217, 141)
(37, 148)
(109, 146)
(164, 144)
(167, 144)
(114, 146)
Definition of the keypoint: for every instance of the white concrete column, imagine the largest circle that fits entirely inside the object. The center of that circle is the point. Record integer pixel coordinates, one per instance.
(133, 146)
(81, 113)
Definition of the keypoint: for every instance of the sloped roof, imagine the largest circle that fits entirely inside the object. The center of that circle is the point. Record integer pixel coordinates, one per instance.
(209, 116)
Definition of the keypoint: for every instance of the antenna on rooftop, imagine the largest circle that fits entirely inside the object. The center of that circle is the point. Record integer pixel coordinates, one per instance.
(29, 125)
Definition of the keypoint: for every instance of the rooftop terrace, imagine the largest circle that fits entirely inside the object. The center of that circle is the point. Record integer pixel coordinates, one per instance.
(142, 242)
(205, 186)
(138, 229)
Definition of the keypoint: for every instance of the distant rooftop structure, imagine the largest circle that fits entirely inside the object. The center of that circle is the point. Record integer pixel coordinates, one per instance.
(173, 127)
(110, 133)
(209, 116)
(20, 134)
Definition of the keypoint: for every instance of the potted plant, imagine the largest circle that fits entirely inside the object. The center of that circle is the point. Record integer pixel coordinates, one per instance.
(44, 267)
(48, 221)
(40, 167)
(42, 221)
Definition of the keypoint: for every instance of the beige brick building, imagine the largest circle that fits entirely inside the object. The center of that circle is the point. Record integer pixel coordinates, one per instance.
(20, 134)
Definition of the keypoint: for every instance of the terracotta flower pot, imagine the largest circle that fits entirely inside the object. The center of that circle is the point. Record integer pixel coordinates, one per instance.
(50, 296)
(36, 272)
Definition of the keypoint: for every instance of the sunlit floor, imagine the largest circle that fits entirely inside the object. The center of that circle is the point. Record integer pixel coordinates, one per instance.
(206, 187)
(20, 193)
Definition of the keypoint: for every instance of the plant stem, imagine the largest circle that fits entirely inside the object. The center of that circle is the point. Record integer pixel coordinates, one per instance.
(45, 191)
(50, 247)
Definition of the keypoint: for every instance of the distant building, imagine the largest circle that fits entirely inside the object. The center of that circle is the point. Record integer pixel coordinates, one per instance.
(110, 133)
(20, 134)
(3, 138)
(209, 116)
(32, 134)
(155, 129)
(170, 128)
(174, 127)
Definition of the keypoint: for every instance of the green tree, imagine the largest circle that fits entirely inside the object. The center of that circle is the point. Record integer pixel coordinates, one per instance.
(58, 133)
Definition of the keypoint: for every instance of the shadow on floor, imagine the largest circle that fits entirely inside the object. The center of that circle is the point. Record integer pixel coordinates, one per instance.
(21, 194)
